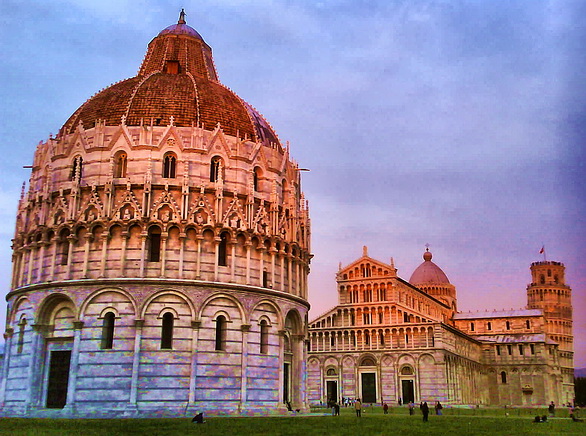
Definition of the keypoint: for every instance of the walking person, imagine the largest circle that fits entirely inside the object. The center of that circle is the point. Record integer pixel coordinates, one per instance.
(438, 408)
(425, 411)
(551, 409)
(411, 407)
(385, 408)
(358, 407)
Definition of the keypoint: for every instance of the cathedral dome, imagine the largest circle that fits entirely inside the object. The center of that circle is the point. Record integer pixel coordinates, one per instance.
(176, 84)
(428, 273)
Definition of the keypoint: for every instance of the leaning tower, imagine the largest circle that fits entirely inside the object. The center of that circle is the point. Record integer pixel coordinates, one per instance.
(548, 291)
(161, 253)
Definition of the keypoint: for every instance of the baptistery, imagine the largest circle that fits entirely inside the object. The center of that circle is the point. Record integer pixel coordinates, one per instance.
(161, 253)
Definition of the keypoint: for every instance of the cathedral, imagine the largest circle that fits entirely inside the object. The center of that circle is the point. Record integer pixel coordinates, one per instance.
(391, 340)
(161, 254)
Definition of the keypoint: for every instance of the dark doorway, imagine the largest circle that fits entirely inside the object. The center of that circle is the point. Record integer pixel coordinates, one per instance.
(58, 379)
(408, 391)
(286, 377)
(368, 387)
(332, 390)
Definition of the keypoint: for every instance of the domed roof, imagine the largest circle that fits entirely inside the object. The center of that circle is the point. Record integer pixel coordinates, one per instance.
(428, 273)
(177, 83)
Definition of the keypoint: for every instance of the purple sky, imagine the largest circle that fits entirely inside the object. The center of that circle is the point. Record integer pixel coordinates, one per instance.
(454, 123)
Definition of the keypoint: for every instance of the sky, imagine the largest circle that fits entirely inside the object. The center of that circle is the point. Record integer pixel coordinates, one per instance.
(458, 124)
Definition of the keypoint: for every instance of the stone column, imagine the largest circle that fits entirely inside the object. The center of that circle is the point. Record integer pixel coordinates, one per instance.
(216, 256)
(233, 261)
(29, 273)
(34, 376)
(164, 237)
(53, 258)
(290, 273)
(138, 324)
(78, 326)
(244, 365)
(40, 261)
(6, 364)
(195, 325)
(124, 235)
(105, 238)
(248, 245)
(273, 253)
(144, 237)
(71, 239)
(198, 265)
(86, 254)
(182, 238)
(261, 265)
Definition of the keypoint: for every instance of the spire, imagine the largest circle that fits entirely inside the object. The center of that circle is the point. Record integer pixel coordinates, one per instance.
(181, 17)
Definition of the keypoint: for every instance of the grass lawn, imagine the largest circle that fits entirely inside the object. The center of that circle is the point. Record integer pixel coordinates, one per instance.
(372, 423)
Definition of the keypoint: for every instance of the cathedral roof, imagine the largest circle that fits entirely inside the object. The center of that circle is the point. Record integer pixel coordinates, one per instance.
(428, 273)
(177, 83)
(484, 314)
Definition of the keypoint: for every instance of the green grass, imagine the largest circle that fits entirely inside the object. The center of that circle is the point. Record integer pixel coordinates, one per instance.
(373, 422)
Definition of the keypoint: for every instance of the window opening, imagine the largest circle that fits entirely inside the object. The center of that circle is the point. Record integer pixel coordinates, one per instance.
(215, 168)
(121, 165)
(167, 331)
(154, 244)
(76, 168)
(264, 337)
(169, 164)
(223, 250)
(221, 333)
(108, 331)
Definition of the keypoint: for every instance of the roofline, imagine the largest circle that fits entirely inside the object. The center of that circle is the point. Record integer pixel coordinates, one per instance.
(423, 292)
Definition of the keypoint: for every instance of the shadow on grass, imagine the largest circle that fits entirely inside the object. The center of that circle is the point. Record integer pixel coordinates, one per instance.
(300, 425)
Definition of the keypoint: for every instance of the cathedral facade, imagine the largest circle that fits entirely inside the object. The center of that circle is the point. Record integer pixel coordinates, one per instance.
(161, 253)
(390, 339)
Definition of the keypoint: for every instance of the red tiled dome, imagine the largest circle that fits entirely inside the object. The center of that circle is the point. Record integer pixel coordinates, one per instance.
(428, 273)
(176, 79)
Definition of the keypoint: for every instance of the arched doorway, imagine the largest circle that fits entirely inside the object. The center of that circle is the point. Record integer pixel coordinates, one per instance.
(407, 377)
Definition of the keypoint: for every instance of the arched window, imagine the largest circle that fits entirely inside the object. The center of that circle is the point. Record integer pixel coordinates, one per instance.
(76, 168)
(154, 244)
(221, 333)
(382, 339)
(167, 331)
(223, 250)
(215, 168)
(169, 165)
(264, 337)
(256, 175)
(108, 331)
(542, 279)
(120, 164)
(503, 377)
(528, 324)
(508, 325)
(489, 325)
(471, 326)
